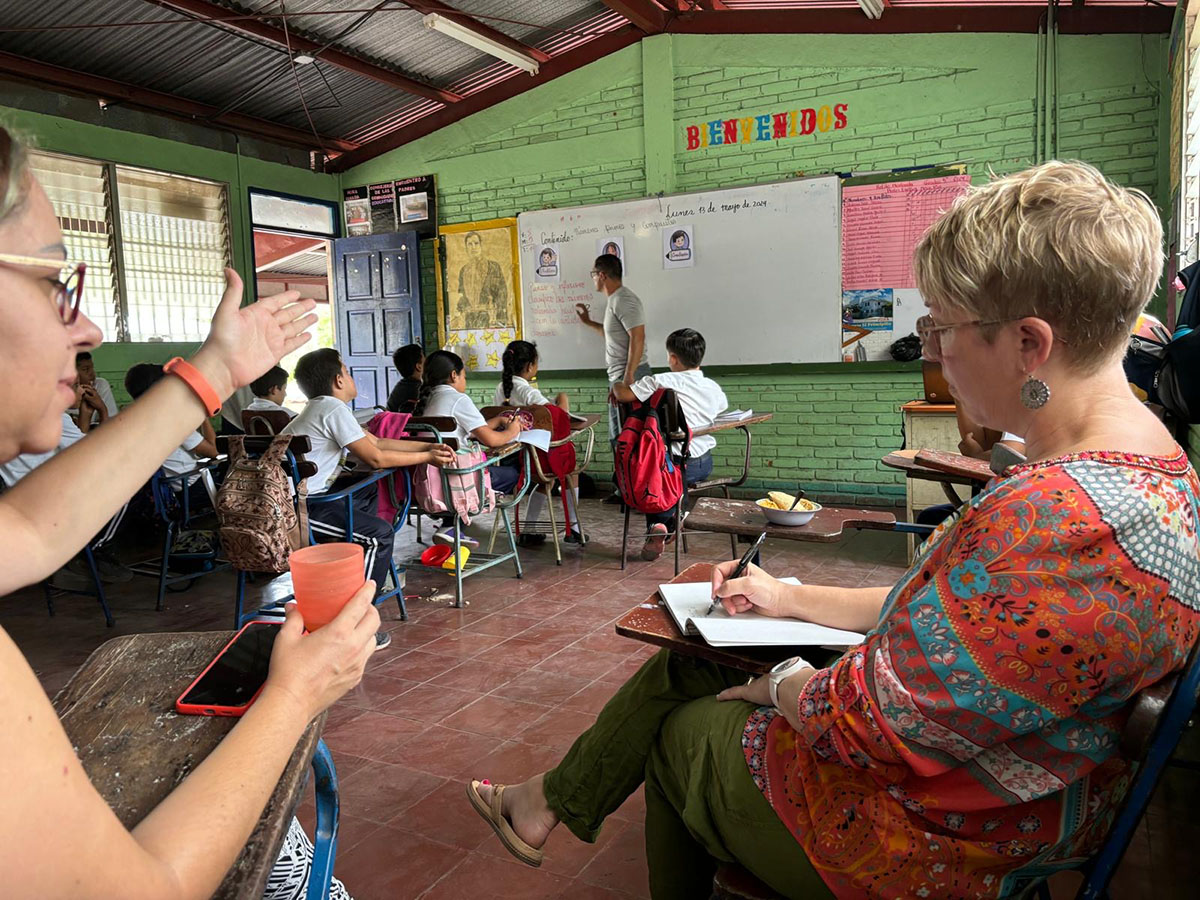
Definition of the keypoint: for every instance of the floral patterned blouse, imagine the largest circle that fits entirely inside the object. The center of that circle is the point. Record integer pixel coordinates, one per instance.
(970, 745)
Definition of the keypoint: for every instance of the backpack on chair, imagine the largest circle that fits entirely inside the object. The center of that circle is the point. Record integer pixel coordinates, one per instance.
(259, 523)
(649, 478)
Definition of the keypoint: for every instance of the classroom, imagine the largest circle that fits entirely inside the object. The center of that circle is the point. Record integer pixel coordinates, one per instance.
(600, 449)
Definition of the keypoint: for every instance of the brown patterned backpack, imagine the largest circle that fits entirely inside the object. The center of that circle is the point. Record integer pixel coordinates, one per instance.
(257, 511)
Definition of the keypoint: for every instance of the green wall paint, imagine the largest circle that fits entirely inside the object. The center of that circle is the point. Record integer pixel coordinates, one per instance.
(615, 130)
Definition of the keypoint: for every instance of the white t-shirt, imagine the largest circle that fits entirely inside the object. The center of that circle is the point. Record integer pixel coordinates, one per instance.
(523, 394)
(15, 469)
(331, 427)
(104, 389)
(701, 398)
(183, 459)
(445, 400)
(265, 405)
(231, 411)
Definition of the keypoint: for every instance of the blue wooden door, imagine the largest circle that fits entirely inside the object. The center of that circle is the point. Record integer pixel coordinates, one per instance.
(377, 308)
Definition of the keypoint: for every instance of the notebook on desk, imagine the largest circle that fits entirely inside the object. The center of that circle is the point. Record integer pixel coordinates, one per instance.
(688, 602)
(734, 415)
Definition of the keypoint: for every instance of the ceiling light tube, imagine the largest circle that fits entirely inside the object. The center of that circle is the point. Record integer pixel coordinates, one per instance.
(872, 8)
(472, 38)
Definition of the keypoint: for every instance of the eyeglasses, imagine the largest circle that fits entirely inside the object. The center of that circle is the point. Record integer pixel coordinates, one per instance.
(68, 290)
(593, 273)
(930, 333)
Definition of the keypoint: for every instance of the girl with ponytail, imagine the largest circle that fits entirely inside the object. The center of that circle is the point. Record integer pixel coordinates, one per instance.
(444, 393)
(520, 365)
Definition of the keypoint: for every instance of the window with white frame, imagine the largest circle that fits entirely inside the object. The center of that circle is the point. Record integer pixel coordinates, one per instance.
(156, 245)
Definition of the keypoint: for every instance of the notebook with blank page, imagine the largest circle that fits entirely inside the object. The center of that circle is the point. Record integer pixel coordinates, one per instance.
(688, 602)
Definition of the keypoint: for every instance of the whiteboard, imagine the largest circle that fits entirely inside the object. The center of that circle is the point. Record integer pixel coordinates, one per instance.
(762, 283)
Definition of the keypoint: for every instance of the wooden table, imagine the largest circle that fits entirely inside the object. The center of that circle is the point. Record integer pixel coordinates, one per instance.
(906, 461)
(650, 622)
(743, 517)
(589, 421)
(728, 424)
(119, 712)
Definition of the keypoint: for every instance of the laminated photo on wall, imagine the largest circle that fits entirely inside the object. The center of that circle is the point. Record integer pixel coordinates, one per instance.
(679, 247)
(613, 246)
(547, 270)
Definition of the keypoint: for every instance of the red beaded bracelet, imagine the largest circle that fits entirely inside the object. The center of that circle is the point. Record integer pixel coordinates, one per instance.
(193, 378)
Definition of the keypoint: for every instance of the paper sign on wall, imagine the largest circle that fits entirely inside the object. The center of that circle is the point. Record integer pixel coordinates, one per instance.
(613, 246)
(547, 271)
(679, 247)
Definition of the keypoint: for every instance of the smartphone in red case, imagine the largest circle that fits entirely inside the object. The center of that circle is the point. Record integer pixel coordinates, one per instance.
(231, 683)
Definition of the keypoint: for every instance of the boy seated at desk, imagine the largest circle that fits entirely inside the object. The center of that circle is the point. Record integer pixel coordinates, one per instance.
(701, 400)
(270, 391)
(93, 395)
(333, 431)
(200, 444)
(410, 363)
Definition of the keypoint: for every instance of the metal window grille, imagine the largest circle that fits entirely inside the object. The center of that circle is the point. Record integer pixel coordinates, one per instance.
(174, 240)
(79, 191)
(1190, 193)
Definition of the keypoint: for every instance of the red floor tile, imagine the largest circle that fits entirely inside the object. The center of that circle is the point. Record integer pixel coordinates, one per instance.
(445, 815)
(382, 791)
(496, 717)
(497, 879)
(391, 864)
(516, 652)
(502, 624)
(558, 728)
(462, 645)
(592, 698)
(373, 735)
(621, 865)
(478, 676)
(444, 751)
(591, 664)
(430, 703)
(540, 686)
(418, 665)
(375, 690)
(515, 761)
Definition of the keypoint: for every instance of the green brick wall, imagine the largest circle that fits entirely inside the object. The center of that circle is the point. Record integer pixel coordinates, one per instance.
(615, 130)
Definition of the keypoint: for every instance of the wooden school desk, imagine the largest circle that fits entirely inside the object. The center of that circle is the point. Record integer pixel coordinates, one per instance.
(650, 622)
(119, 712)
(744, 518)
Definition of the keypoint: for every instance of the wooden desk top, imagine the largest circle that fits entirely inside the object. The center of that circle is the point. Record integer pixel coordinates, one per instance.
(905, 461)
(649, 621)
(119, 711)
(744, 517)
(979, 471)
(588, 422)
(920, 406)
(742, 423)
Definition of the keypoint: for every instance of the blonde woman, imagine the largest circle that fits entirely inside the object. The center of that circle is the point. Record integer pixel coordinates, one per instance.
(970, 744)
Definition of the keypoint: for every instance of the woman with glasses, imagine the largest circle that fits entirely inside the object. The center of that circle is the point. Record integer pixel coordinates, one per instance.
(58, 838)
(970, 745)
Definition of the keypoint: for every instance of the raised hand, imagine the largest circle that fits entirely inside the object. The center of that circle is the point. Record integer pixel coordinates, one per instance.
(245, 341)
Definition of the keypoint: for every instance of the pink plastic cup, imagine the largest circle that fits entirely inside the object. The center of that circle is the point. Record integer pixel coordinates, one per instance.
(324, 578)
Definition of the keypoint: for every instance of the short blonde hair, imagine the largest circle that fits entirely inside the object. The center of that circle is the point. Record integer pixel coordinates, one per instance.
(1058, 241)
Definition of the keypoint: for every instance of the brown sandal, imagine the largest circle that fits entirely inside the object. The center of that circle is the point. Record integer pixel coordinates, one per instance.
(492, 815)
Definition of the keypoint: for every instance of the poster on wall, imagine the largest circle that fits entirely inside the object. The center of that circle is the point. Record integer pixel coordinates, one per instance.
(356, 208)
(547, 271)
(679, 247)
(613, 246)
(479, 298)
(870, 309)
(383, 207)
(416, 205)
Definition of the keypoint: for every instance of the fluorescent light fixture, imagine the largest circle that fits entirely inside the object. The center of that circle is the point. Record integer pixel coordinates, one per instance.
(472, 38)
(872, 8)
(303, 59)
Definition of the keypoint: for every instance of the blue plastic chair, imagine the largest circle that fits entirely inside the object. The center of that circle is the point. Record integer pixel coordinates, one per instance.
(1159, 718)
(328, 810)
(99, 588)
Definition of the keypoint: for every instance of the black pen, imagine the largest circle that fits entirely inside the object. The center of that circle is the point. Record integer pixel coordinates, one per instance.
(741, 568)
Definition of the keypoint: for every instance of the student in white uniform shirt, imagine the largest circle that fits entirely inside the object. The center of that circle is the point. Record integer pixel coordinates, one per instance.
(701, 399)
(333, 432)
(520, 365)
(443, 394)
(269, 392)
(93, 393)
(200, 444)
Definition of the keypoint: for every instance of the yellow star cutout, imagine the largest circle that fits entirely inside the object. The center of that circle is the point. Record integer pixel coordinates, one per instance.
(470, 339)
(493, 358)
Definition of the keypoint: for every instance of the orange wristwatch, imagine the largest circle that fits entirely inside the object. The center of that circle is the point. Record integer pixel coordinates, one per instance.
(196, 381)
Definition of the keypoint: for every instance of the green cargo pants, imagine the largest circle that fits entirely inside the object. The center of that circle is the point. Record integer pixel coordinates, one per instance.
(666, 727)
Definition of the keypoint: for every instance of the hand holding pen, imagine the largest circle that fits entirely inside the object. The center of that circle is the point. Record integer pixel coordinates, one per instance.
(738, 571)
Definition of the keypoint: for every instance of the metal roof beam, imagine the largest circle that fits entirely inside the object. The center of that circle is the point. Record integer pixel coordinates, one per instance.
(462, 18)
(995, 17)
(205, 10)
(510, 87)
(644, 14)
(43, 74)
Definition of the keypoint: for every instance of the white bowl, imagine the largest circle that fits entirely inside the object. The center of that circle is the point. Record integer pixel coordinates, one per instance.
(789, 517)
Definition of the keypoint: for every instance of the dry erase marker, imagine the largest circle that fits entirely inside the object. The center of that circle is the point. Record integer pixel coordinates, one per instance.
(741, 568)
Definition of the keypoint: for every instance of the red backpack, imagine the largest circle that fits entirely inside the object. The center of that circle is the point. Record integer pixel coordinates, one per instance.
(649, 478)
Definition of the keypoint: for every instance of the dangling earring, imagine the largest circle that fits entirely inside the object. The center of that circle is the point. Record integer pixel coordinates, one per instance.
(1034, 393)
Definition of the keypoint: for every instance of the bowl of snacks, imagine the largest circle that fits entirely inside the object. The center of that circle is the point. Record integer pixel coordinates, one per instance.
(778, 509)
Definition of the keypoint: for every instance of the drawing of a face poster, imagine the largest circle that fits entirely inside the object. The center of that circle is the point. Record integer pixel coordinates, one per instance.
(679, 247)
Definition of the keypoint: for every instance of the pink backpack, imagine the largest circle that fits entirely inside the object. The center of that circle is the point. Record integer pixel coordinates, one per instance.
(464, 489)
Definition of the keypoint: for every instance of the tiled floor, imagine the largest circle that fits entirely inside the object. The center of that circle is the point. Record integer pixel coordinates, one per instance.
(499, 689)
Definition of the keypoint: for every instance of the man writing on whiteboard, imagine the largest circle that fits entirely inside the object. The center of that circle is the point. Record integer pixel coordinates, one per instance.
(624, 330)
